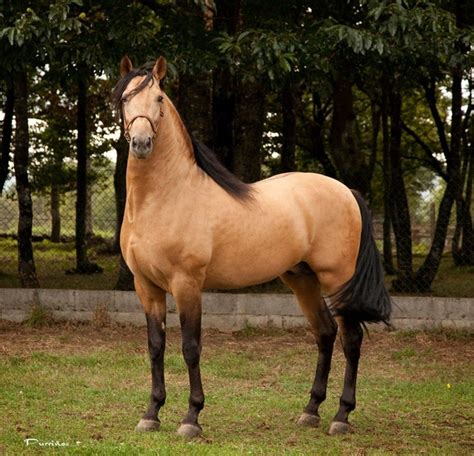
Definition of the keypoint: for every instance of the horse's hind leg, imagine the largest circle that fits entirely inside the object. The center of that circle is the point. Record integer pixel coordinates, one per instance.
(351, 338)
(306, 287)
(153, 300)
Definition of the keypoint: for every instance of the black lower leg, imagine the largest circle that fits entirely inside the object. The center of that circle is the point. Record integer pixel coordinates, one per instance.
(156, 348)
(325, 342)
(351, 336)
(191, 335)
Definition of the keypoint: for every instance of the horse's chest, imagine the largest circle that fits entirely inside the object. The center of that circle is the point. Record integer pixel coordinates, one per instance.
(146, 258)
(158, 256)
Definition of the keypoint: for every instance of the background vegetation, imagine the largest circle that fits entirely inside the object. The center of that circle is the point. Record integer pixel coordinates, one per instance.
(377, 94)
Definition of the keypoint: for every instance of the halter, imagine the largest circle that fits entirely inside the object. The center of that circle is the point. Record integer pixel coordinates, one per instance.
(154, 126)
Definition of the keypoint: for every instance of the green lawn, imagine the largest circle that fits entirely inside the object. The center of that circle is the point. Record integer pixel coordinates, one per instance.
(90, 385)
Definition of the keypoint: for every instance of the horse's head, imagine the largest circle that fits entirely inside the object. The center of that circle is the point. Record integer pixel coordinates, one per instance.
(141, 99)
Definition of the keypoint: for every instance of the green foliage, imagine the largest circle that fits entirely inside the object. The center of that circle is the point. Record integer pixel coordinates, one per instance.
(260, 53)
(28, 36)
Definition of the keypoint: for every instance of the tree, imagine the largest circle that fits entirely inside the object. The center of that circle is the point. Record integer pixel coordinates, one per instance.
(400, 32)
(25, 39)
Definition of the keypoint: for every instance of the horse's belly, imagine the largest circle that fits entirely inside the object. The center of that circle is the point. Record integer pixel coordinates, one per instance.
(252, 262)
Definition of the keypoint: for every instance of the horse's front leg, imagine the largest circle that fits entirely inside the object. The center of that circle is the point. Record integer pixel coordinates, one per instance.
(187, 293)
(153, 300)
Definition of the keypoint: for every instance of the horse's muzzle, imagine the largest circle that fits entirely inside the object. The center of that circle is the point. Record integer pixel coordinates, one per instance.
(141, 147)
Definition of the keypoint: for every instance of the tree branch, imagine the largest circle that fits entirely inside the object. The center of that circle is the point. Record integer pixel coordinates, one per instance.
(435, 164)
(431, 98)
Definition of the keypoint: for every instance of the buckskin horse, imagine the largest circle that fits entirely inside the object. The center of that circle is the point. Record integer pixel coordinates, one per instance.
(190, 224)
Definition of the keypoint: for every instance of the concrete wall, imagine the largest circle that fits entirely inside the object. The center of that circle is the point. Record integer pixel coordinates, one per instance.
(225, 311)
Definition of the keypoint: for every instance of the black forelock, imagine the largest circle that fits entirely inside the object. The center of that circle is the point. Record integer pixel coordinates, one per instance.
(145, 70)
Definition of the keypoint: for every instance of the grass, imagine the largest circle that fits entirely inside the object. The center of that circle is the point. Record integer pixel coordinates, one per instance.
(90, 385)
(54, 259)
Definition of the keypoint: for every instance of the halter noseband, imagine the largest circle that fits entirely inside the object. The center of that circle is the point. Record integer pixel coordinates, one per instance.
(143, 116)
(154, 126)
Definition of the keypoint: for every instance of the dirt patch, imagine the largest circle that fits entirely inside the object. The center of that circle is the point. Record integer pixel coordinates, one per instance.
(17, 338)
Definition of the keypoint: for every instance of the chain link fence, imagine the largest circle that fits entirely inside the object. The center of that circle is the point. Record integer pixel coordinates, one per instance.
(54, 239)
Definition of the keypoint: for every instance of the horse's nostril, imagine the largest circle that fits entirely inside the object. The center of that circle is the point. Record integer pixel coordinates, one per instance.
(134, 142)
(148, 142)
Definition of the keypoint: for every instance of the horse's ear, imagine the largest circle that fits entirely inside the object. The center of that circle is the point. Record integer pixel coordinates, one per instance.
(125, 66)
(159, 70)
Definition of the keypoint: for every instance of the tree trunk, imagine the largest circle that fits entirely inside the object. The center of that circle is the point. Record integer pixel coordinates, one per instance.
(398, 199)
(89, 217)
(462, 244)
(55, 212)
(463, 239)
(26, 263)
(427, 272)
(467, 245)
(223, 112)
(7, 129)
(344, 139)
(465, 254)
(387, 219)
(317, 138)
(288, 146)
(249, 123)
(376, 115)
(195, 105)
(83, 265)
(228, 20)
(125, 276)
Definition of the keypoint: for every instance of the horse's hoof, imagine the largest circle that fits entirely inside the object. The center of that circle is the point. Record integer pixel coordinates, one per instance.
(308, 420)
(189, 431)
(147, 425)
(338, 427)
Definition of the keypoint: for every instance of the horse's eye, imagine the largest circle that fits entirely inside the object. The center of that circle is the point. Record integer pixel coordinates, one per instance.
(160, 99)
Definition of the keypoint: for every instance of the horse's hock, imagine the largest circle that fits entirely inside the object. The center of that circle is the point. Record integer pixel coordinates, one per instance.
(224, 311)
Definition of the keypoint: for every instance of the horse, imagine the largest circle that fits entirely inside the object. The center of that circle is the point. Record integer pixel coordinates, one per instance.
(190, 225)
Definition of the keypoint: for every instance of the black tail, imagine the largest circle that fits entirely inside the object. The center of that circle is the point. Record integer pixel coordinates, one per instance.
(364, 297)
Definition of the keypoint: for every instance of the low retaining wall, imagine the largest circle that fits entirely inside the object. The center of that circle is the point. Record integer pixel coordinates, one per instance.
(224, 311)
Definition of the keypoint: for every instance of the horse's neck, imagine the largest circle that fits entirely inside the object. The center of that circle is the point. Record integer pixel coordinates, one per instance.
(172, 160)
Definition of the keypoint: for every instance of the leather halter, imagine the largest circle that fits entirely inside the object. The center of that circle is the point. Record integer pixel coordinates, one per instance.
(128, 125)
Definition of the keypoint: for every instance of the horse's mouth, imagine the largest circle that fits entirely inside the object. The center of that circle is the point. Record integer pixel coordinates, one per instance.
(140, 155)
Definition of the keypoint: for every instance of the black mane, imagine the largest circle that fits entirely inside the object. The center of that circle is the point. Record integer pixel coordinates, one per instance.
(205, 158)
(145, 70)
